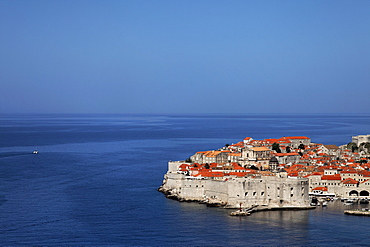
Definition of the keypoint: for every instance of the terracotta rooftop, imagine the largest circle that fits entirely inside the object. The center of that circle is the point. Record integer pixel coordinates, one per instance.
(331, 177)
(349, 181)
(285, 154)
(321, 188)
(259, 149)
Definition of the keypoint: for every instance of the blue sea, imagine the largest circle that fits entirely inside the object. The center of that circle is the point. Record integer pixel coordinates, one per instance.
(95, 177)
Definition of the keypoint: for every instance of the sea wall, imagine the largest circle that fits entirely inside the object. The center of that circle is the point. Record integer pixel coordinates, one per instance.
(271, 191)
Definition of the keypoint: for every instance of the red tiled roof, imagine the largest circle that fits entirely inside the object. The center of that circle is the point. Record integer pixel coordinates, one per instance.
(293, 174)
(184, 167)
(322, 154)
(271, 140)
(210, 173)
(297, 166)
(365, 173)
(349, 172)
(213, 165)
(236, 166)
(285, 154)
(235, 154)
(321, 188)
(317, 173)
(260, 149)
(349, 181)
(331, 177)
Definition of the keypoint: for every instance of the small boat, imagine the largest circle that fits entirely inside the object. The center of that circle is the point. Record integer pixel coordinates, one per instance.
(314, 201)
(324, 204)
(364, 201)
(349, 202)
(35, 152)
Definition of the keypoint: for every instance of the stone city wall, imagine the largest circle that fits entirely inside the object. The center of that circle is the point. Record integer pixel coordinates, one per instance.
(271, 191)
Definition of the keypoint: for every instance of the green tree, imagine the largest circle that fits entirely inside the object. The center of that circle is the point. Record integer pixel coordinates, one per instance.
(367, 147)
(361, 161)
(364, 146)
(276, 147)
(352, 146)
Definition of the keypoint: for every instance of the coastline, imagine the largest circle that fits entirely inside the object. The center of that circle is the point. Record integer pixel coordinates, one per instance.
(357, 212)
(209, 203)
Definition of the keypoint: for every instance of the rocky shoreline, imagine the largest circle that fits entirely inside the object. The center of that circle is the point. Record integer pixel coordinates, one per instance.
(170, 194)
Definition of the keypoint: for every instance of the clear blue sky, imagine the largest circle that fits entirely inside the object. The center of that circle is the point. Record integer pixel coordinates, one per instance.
(191, 56)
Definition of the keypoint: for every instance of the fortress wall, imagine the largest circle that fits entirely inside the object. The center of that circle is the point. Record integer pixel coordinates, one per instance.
(217, 190)
(247, 191)
(337, 190)
(270, 190)
(360, 139)
(292, 192)
(173, 166)
(172, 181)
(193, 189)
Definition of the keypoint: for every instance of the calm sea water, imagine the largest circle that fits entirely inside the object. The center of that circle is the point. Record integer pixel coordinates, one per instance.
(94, 181)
